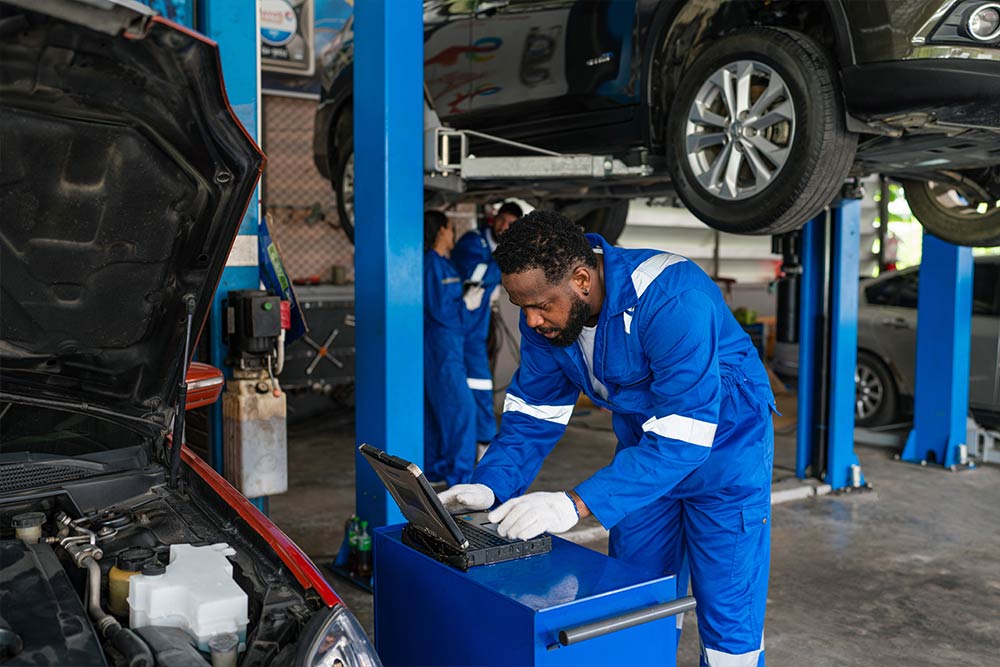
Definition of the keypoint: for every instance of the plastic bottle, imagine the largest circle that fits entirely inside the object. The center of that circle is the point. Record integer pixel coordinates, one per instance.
(352, 530)
(364, 552)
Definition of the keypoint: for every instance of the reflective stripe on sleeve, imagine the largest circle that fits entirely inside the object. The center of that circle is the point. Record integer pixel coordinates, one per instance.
(480, 384)
(688, 430)
(557, 414)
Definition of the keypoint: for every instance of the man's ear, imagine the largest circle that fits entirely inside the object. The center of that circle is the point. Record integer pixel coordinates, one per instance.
(581, 279)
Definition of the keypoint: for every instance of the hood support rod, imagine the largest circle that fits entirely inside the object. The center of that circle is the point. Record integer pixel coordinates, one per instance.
(177, 439)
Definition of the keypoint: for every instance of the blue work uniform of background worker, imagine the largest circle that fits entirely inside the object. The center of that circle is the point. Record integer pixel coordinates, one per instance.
(475, 248)
(472, 250)
(449, 415)
(690, 480)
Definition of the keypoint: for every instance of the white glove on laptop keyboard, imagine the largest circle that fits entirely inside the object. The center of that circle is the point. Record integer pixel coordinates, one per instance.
(467, 498)
(533, 514)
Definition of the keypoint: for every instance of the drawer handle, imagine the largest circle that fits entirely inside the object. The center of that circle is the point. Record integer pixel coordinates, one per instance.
(600, 628)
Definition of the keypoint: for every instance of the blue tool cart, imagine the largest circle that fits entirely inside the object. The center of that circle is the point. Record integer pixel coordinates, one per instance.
(571, 606)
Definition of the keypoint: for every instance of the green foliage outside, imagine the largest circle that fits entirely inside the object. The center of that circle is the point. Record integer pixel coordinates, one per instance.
(908, 232)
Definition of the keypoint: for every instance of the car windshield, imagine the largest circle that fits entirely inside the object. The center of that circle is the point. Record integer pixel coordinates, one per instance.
(39, 430)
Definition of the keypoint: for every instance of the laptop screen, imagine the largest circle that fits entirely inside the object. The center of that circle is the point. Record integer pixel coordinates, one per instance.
(418, 504)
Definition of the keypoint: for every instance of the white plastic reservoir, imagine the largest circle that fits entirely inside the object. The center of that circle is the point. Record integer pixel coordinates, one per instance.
(197, 593)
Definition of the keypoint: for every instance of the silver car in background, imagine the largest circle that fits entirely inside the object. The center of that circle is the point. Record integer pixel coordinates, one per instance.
(887, 346)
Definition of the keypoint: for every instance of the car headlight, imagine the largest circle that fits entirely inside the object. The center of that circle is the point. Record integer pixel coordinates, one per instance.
(341, 642)
(983, 23)
(966, 22)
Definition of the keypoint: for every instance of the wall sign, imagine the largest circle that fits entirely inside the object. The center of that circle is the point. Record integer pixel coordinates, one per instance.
(286, 36)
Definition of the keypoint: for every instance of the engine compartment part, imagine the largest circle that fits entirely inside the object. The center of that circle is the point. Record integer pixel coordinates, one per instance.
(28, 526)
(54, 629)
(171, 647)
(196, 593)
(99, 528)
(224, 649)
(127, 564)
(81, 544)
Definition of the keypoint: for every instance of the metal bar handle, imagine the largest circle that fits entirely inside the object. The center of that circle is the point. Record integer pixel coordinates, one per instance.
(631, 619)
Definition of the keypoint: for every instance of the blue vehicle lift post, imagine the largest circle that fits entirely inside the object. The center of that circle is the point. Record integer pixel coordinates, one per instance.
(828, 346)
(944, 328)
(388, 260)
(233, 25)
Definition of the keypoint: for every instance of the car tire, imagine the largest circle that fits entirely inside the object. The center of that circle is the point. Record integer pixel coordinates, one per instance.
(604, 217)
(786, 171)
(343, 185)
(947, 214)
(876, 397)
(608, 221)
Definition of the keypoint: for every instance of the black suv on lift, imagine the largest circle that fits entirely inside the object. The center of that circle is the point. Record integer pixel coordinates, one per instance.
(752, 111)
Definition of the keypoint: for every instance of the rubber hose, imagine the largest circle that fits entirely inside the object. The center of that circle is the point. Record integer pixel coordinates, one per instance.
(133, 649)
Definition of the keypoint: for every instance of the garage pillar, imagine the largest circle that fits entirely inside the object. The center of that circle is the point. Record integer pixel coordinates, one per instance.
(388, 256)
(828, 346)
(944, 329)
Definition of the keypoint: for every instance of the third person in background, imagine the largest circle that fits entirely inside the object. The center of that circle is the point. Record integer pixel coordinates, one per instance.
(473, 257)
(450, 411)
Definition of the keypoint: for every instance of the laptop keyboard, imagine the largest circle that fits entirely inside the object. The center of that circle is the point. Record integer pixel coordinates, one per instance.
(480, 538)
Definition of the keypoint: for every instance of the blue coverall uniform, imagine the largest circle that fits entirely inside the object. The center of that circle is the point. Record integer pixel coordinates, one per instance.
(690, 481)
(449, 415)
(475, 248)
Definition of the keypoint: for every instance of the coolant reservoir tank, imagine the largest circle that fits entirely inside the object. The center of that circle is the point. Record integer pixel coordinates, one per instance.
(128, 563)
(196, 593)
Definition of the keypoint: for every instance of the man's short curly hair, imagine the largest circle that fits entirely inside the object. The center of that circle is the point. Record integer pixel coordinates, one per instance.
(544, 240)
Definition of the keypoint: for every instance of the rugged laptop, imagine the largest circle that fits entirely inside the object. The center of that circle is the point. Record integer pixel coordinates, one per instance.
(461, 541)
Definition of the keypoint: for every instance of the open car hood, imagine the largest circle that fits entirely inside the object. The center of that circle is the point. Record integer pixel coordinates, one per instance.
(124, 175)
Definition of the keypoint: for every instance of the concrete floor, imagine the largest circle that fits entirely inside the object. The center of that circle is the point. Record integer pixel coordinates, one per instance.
(906, 575)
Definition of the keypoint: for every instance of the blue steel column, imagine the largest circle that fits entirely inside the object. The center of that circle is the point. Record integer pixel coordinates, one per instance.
(388, 256)
(944, 321)
(234, 26)
(828, 301)
(813, 254)
(843, 343)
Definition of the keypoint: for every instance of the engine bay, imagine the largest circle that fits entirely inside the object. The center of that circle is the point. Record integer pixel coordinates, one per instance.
(110, 533)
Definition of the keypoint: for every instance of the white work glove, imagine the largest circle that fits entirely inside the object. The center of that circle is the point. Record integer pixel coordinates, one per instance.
(535, 513)
(467, 498)
(473, 297)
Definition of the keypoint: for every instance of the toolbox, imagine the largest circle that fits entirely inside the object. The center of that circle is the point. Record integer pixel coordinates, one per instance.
(570, 606)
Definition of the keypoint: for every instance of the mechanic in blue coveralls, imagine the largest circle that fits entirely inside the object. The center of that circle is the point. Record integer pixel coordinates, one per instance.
(449, 408)
(473, 253)
(647, 335)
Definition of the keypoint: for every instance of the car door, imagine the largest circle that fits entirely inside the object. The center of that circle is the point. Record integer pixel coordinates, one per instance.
(887, 321)
(447, 37)
(984, 366)
(540, 60)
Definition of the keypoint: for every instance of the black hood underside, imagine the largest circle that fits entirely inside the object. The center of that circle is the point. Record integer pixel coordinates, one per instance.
(124, 176)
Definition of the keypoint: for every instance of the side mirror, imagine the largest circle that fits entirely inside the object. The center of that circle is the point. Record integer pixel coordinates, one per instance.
(204, 384)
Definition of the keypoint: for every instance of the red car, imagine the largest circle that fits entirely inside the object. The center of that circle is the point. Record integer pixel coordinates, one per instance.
(125, 177)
